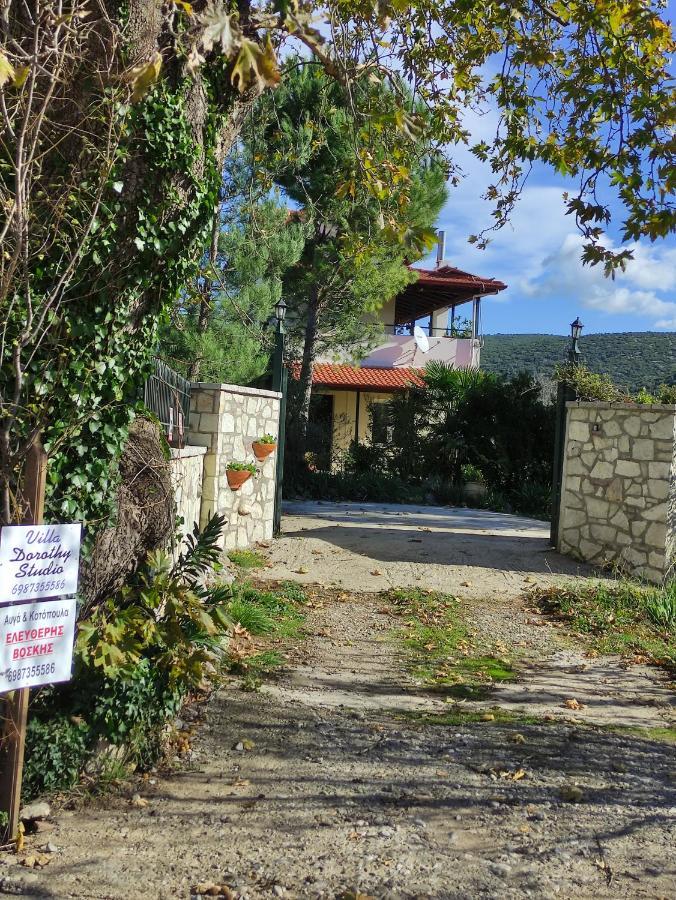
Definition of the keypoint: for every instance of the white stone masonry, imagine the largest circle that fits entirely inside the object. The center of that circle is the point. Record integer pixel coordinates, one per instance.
(618, 496)
(226, 419)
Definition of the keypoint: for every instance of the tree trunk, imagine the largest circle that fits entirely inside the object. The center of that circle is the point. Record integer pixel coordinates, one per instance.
(305, 379)
(205, 313)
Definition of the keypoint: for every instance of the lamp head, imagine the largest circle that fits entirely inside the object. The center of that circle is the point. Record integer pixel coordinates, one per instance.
(280, 310)
(576, 328)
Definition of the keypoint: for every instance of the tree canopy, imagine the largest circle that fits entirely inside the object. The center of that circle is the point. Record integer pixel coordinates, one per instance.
(117, 118)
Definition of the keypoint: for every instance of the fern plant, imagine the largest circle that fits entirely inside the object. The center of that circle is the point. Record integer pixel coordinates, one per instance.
(166, 615)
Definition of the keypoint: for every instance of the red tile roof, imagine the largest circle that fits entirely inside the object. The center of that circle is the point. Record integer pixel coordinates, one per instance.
(449, 276)
(363, 377)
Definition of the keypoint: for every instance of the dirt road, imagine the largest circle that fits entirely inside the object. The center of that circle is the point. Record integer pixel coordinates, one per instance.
(328, 783)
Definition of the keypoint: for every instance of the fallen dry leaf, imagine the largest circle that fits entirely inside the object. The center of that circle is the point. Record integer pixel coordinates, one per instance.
(572, 703)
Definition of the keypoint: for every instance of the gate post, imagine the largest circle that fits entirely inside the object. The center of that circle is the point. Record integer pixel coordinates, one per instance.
(563, 394)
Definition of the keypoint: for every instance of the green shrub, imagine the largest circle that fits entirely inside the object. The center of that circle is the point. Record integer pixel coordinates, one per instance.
(365, 487)
(588, 385)
(57, 746)
(136, 658)
(661, 607)
(164, 615)
(469, 472)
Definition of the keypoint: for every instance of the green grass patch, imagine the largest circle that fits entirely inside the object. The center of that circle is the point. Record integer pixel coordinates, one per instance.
(466, 715)
(268, 614)
(665, 735)
(624, 616)
(255, 669)
(246, 559)
(443, 653)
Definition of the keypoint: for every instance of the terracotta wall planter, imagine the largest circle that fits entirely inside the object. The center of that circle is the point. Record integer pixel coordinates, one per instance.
(236, 478)
(262, 451)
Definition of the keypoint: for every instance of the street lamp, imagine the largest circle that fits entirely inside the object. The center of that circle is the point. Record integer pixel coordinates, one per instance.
(280, 310)
(575, 332)
(279, 383)
(563, 395)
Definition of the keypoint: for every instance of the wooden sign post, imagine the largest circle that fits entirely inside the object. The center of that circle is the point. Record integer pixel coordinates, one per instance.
(16, 703)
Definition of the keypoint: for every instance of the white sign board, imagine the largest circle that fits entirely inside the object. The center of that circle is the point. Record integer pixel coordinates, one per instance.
(36, 643)
(38, 561)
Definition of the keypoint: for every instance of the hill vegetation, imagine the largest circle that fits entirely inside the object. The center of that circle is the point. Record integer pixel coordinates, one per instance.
(633, 359)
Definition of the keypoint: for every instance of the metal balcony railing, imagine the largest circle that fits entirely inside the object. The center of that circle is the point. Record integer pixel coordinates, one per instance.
(167, 395)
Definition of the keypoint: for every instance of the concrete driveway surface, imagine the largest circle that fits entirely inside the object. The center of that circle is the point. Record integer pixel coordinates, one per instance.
(373, 547)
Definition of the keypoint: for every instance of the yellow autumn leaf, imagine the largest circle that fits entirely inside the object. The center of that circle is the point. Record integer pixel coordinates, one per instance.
(186, 7)
(6, 70)
(143, 76)
(20, 76)
(254, 63)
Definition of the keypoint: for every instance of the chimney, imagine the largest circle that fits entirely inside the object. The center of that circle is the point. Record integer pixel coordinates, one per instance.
(441, 248)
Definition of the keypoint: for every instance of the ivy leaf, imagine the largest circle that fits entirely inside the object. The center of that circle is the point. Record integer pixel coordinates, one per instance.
(255, 63)
(220, 28)
(6, 70)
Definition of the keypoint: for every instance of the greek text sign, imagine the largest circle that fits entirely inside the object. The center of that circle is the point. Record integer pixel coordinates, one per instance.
(38, 561)
(36, 643)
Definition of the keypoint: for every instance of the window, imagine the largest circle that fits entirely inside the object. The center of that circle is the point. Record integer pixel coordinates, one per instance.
(381, 430)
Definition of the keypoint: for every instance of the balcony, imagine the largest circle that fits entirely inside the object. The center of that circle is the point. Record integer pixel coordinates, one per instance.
(402, 350)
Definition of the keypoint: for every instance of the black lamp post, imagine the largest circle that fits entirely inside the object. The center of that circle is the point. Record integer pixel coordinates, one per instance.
(575, 333)
(563, 394)
(279, 383)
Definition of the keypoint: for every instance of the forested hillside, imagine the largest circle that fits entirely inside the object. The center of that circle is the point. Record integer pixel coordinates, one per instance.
(633, 359)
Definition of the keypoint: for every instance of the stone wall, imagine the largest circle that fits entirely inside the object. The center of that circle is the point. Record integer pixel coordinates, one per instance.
(618, 495)
(187, 470)
(226, 419)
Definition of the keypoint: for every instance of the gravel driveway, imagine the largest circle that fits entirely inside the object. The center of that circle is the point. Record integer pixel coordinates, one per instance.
(371, 547)
(323, 787)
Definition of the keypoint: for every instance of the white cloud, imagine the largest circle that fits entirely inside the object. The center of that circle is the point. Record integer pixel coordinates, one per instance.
(538, 254)
(563, 275)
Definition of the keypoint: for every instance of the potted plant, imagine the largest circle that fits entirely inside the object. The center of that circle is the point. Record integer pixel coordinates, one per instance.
(264, 446)
(474, 482)
(237, 473)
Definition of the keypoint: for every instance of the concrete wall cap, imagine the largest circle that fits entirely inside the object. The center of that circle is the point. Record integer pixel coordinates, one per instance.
(234, 389)
(633, 407)
(185, 452)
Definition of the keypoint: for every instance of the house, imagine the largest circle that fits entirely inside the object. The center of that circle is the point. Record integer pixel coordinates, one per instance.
(435, 318)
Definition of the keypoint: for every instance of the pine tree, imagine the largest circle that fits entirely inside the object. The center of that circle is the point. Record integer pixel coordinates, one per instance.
(323, 154)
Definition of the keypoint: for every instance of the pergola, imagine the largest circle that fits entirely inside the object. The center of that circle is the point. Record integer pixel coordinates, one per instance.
(439, 288)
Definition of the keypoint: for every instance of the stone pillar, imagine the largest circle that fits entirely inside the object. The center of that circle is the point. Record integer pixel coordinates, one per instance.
(618, 495)
(227, 419)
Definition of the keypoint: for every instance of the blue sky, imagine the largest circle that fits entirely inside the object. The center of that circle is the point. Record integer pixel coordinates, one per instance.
(538, 257)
